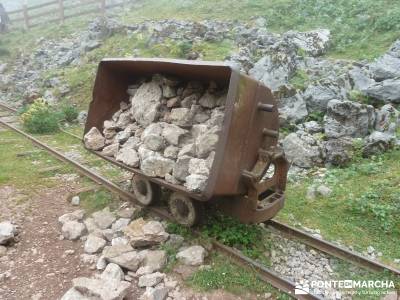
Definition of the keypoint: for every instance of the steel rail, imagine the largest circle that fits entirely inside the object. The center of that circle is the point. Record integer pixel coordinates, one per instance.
(263, 273)
(330, 248)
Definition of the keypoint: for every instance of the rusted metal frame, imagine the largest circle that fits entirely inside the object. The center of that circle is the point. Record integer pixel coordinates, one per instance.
(330, 248)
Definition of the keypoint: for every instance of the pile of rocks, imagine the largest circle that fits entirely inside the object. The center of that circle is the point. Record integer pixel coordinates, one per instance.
(126, 248)
(169, 129)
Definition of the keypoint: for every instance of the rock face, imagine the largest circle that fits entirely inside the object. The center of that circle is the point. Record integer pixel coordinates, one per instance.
(166, 118)
(313, 42)
(303, 149)
(94, 140)
(192, 256)
(318, 96)
(7, 232)
(346, 118)
(387, 90)
(292, 109)
(339, 151)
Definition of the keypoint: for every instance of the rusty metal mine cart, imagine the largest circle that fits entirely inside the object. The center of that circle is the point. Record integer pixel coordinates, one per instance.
(248, 175)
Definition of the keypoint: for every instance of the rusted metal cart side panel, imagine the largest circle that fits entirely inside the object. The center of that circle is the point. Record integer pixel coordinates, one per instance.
(242, 134)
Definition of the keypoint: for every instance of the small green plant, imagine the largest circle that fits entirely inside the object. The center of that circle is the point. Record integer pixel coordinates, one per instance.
(315, 116)
(94, 201)
(371, 204)
(300, 80)
(231, 232)
(40, 118)
(178, 229)
(357, 96)
(69, 113)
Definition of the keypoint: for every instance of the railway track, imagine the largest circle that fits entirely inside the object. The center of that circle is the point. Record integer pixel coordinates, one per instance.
(264, 273)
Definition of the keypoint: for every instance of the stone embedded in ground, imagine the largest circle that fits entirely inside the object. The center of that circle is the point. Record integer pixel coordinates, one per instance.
(142, 233)
(387, 119)
(158, 293)
(146, 102)
(323, 190)
(91, 225)
(318, 96)
(292, 109)
(7, 232)
(94, 244)
(101, 288)
(385, 67)
(154, 259)
(75, 200)
(73, 230)
(346, 118)
(192, 256)
(74, 216)
(302, 149)
(94, 140)
(387, 90)
(103, 218)
(124, 256)
(339, 152)
(113, 272)
(128, 156)
(196, 183)
(120, 224)
(151, 280)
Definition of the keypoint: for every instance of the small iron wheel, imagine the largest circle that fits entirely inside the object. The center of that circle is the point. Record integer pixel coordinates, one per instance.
(146, 192)
(185, 210)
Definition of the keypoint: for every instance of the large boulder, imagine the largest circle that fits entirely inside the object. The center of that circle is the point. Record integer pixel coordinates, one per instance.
(387, 90)
(347, 118)
(303, 149)
(385, 67)
(318, 95)
(313, 42)
(274, 70)
(292, 109)
(338, 152)
(360, 78)
(378, 142)
(387, 119)
(146, 102)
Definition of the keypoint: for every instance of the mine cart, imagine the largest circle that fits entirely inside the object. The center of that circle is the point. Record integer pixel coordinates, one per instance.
(248, 174)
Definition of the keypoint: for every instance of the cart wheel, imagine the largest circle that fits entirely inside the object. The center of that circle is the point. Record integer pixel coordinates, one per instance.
(146, 192)
(185, 210)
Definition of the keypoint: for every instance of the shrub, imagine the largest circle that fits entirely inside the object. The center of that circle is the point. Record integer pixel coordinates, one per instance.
(69, 113)
(40, 118)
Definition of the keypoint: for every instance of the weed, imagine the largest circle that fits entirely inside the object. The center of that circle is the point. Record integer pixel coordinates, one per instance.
(94, 201)
(40, 118)
(178, 229)
(171, 257)
(222, 274)
(315, 116)
(69, 113)
(357, 96)
(300, 80)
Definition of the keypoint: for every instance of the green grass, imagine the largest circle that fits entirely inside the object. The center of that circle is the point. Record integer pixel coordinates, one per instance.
(344, 216)
(94, 201)
(223, 274)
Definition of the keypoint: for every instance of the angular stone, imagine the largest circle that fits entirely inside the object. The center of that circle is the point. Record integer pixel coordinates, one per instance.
(181, 167)
(205, 144)
(73, 230)
(113, 272)
(128, 156)
(94, 140)
(314, 42)
(171, 152)
(103, 218)
(120, 224)
(172, 133)
(181, 116)
(317, 96)
(187, 150)
(208, 100)
(196, 183)
(94, 244)
(198, 166)
(154, 142)
(151, 280)
(156, 165)
(124, 119)
(192, 256)
(339, 151)
(346, 118)
(111, 150)
(292, 109)
(124, 256)
(387, 119)
(387, 90)
(7, 232)
(142, 233)
(154, 259)
(133, 143)
(158, 293)
(145, 103)
(101, 289)
(385, 67)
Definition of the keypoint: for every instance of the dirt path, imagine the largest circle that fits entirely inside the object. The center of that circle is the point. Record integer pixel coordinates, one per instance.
(40, 265)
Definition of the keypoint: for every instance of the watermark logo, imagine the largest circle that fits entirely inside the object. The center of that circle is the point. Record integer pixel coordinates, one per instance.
(304, 288)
